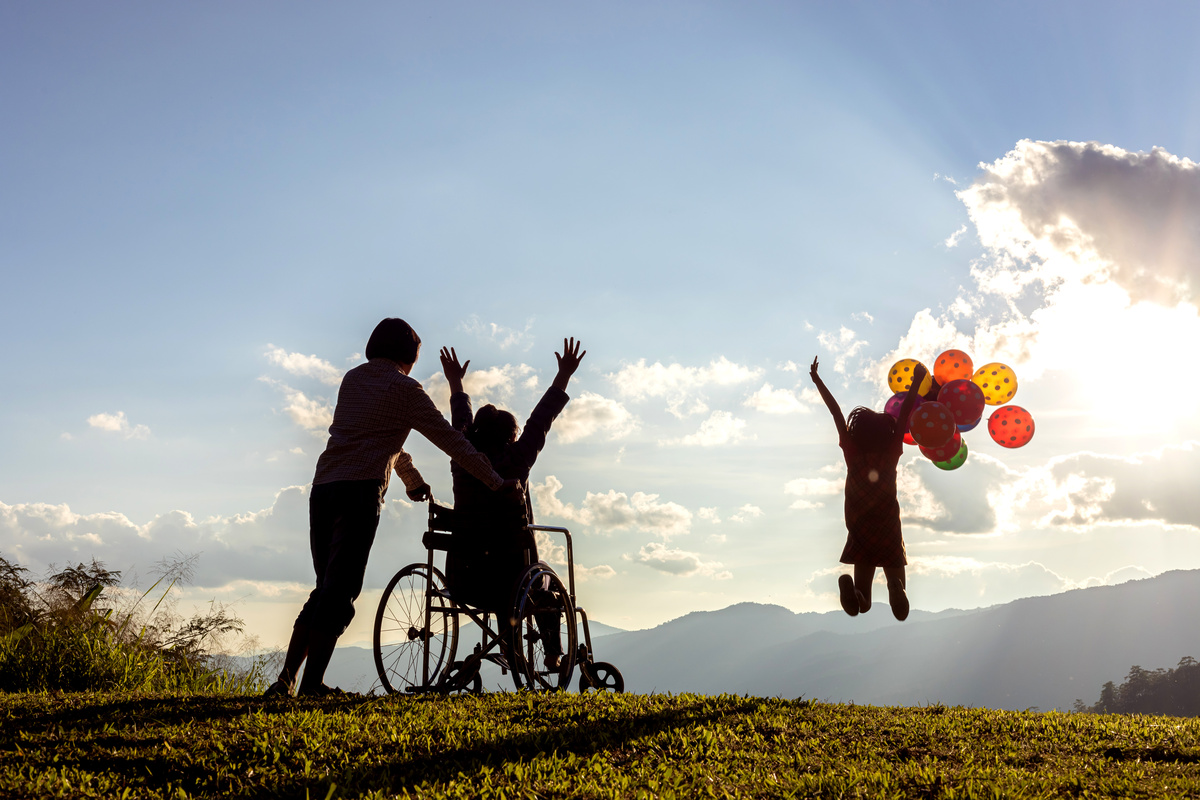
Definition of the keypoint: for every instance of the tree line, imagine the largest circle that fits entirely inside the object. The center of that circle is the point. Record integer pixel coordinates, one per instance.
(1172, 692)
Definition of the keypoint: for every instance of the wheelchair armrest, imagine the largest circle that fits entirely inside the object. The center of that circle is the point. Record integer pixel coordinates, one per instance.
(570, 552)
(433, 540)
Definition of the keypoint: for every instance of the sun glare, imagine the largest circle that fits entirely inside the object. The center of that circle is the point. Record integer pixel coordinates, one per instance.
(1129, 364)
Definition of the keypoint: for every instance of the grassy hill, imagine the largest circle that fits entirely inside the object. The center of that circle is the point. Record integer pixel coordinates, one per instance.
(524, 746)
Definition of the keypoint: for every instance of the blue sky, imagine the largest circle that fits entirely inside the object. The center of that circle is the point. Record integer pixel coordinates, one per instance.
(205, 209)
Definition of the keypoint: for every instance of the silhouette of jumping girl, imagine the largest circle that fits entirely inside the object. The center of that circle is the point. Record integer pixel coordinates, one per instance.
(872, 443)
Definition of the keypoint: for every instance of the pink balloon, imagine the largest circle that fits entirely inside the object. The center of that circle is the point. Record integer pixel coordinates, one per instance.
(946, 452)
(965, 401)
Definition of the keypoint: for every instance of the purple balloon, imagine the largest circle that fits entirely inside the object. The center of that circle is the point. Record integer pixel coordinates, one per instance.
(892, 407)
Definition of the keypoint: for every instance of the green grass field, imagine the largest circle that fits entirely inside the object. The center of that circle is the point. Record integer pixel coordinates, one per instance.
(518, 745)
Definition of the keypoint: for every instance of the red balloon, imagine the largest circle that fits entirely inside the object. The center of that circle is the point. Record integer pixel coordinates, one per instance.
(946, 452)
(1011, 426)
(965, 401)
(932, 425)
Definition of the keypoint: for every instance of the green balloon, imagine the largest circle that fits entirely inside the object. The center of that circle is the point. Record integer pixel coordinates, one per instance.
(956, 461)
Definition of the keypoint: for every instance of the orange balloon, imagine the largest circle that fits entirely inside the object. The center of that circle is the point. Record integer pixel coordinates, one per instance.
(952, 365)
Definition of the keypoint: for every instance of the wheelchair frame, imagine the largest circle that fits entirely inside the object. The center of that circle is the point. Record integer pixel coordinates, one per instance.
(436, 625)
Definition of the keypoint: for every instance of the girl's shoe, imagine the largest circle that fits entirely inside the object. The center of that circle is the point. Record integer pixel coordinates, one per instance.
(898, 601)
(848, 595)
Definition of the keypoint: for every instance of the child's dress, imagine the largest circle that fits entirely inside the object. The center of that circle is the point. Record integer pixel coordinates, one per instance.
(872, 510)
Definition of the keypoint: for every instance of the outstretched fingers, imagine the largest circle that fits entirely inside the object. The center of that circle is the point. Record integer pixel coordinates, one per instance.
(571, 355)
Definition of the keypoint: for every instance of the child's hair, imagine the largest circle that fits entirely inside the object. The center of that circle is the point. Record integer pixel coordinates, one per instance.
(491, 430)
(870, 430)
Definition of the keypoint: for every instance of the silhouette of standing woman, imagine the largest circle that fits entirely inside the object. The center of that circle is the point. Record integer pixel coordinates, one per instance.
(378, 405)
(872, 443)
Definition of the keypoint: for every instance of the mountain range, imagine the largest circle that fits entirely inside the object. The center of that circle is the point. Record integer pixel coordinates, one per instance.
(1036, 652)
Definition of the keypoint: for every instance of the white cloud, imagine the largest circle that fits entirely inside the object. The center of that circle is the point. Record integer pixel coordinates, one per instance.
(601, 572)
(746, 513)
(118, 423)
(312, 414)
(503, 337)
(270, 544)
(681, 386)
(1085, 210)
(709, 514)
(495, 385)
(720, 428)
(953, 239)
(1078, 491)
(788, 366)
(770, 400)
(807, 488)
(614, 510)
(1151, 487)
(589, 414)
(680, 562)
(1086, 242)
(842, 345)
(863, 316)
(304, 366)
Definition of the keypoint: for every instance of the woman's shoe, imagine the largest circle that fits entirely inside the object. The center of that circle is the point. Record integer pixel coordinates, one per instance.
(848, 595)
(278, 691)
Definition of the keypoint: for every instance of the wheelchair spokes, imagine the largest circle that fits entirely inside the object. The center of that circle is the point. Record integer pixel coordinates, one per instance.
(545, 631)
(411, 648)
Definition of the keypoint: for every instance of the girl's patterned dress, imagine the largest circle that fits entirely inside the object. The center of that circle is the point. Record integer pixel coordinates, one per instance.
(872, 510)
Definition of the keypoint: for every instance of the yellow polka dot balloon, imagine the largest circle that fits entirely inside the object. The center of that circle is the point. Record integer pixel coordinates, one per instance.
(901, 374)
(998, 382)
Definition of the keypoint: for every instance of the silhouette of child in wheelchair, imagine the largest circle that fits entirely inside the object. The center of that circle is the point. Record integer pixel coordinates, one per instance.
(492, 569)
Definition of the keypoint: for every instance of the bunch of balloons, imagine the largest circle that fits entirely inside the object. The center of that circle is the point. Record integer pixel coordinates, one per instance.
(951, 401)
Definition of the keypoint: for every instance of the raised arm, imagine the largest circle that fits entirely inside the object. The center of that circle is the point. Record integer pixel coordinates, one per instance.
(533, 435)
(839, 419)
(429, 422)
(568, 362)
(460, 403)
(910, 400)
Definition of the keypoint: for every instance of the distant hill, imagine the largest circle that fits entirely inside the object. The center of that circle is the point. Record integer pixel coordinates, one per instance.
(1036, 652)
(1042, 652)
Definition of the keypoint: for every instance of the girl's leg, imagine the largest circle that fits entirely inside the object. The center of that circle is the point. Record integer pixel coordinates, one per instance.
(897, 597)
(863, 577)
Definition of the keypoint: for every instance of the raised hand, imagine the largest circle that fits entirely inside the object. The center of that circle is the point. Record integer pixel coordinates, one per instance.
(453, 371)
(812, 371)
(568, 362)
(919, 373)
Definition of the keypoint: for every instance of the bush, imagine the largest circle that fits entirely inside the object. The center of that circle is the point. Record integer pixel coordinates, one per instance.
(65, 633)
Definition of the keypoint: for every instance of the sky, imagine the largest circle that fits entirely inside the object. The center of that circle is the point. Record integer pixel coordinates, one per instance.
(205, 209)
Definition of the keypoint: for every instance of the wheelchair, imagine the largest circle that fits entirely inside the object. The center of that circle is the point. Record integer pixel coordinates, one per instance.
(417, 626)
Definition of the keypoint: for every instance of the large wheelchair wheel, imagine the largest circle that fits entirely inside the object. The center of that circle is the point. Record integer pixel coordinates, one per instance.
(545, 615)
(411, 652)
